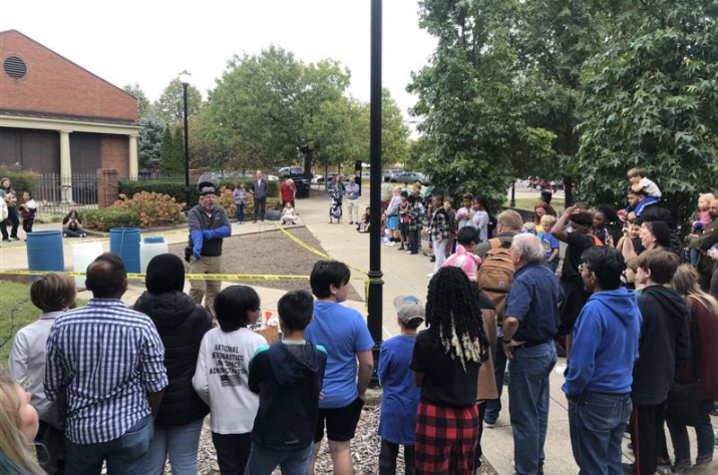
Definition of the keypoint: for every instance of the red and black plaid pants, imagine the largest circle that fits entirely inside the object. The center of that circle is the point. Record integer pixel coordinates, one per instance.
(446, 439)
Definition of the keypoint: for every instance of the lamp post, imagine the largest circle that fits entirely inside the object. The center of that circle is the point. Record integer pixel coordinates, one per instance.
(512, 204)
(184, 79)
(374, 319)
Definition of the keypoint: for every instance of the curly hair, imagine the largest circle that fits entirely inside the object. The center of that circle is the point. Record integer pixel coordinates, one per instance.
(454, 316)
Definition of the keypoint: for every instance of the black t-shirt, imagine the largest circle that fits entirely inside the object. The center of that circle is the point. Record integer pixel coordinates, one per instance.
(577, 243)
(445, 381)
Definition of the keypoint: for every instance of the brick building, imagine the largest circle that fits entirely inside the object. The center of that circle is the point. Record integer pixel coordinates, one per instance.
(56, 117)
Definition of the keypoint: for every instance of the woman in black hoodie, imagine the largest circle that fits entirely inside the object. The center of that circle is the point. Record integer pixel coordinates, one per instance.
(181, 324)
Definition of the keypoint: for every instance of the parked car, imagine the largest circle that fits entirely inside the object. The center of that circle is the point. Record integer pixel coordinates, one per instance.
(330, 177)
(391, 173)
(297, 174)
(409, 177)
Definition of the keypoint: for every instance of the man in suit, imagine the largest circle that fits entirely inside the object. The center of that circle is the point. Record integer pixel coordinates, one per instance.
(259, 193)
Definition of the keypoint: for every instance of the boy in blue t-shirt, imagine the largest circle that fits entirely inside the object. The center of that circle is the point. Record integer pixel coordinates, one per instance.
(344, 334)
(401, 397)
(288, 378)
(551, 245)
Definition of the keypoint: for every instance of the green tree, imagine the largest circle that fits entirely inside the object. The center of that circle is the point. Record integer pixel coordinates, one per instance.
(144, 107)
(473, 100)
(150, 141)
(394, 134)
(170, 105)
(651, 100)
(269, 106)
(171, 162)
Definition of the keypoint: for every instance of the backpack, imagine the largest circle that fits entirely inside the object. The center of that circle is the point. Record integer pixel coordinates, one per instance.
(596, 240)
(496, 275)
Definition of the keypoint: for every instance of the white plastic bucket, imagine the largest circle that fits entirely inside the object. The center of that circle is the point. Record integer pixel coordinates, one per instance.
(82, 257)
(149, 248)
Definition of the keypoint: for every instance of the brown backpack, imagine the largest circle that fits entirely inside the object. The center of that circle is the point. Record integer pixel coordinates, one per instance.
(496, 275)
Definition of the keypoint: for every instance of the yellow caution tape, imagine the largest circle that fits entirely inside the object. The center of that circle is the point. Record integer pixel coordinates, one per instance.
(313, 250)
(134, 275)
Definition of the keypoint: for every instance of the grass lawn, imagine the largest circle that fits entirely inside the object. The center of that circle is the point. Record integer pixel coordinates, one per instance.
(528, 203)
(16, 311)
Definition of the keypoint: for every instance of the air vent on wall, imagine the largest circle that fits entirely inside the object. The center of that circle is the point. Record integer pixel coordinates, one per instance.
(15, 67)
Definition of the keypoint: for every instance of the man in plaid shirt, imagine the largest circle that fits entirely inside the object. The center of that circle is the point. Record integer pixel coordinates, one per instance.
(439, 232)
(107, 360)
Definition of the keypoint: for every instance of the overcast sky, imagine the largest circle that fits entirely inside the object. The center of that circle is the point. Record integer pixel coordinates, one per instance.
(149, 42)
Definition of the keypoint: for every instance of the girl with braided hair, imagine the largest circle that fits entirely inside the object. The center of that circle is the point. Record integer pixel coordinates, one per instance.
(446, 363)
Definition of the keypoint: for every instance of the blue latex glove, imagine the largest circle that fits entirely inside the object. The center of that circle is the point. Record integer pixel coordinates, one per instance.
(222, 232)
(198, 242)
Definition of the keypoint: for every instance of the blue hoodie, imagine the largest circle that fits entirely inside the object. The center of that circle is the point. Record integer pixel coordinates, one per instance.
(605, 344)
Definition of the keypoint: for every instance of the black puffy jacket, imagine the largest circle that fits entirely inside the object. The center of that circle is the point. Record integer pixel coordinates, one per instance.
(181, 324)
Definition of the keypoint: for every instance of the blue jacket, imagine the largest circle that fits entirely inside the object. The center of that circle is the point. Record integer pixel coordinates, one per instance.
(605, 344)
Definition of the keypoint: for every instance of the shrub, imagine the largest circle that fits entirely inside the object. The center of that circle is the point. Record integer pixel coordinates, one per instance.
(176, 188)
(226, 200)
(105, 219)
(153, 209)
(21, 180)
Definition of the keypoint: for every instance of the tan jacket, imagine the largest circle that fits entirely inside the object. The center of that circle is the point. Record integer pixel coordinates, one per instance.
(487, 379)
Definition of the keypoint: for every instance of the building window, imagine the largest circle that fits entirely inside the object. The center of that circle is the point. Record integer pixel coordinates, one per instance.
(15, 67)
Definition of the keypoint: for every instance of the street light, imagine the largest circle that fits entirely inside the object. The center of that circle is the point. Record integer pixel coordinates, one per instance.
(374, 319)
(184, 79)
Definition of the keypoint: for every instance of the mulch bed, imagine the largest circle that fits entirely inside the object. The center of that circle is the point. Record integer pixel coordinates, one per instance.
(271, 253)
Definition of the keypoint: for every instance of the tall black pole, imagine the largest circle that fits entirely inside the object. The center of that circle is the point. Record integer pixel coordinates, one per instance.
(512, 204)
(376, 283)
(187, 189)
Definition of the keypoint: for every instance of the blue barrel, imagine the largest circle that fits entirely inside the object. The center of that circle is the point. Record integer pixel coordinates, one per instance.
(44, 251)
(125, 242)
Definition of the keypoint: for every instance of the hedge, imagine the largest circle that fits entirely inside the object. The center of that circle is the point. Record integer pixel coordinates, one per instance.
(176, 189)
(105, 219)
(21, 180)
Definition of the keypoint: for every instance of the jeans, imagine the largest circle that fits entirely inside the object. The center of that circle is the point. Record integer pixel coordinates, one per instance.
(493, 407)
(553, 265)
(260, 208)
(678, 417)
(263, 462)
(439, 253)
(414, 241)
(13, 218)
(232, 452)
(530, 369)
(387, 458)
(180, 443)
(597, 422)
(240, 213)
(124, 455)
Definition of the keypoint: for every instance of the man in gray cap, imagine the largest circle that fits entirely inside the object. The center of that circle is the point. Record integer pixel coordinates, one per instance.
(208, 226)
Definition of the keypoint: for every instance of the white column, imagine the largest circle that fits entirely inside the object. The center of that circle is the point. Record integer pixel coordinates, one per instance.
(134, 161)
(65, 167)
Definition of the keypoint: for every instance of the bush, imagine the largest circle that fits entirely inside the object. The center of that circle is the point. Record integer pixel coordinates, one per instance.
(176, 189)
(153, 209)
(226, 201)
(105, 219)
(21, 180)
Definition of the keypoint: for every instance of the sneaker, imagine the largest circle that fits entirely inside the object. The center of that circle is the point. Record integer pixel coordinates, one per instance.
(489, 425)
(560, 369)
(430, 274)
(400, 248)
(5, 239)
(15, 238)
(351, 222)
(392, 243)
(83, 235)
(407, 251)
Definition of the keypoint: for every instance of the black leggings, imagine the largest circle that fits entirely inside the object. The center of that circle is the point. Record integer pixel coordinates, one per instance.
(27, 225)
(13, 218)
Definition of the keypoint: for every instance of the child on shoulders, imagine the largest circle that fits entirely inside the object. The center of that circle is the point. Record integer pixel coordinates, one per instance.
(551, 245)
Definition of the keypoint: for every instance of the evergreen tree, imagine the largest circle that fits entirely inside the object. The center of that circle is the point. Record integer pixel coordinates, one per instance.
(150, 141)
(167, 157)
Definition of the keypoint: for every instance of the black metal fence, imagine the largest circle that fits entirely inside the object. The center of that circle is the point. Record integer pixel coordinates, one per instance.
(57, 195)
